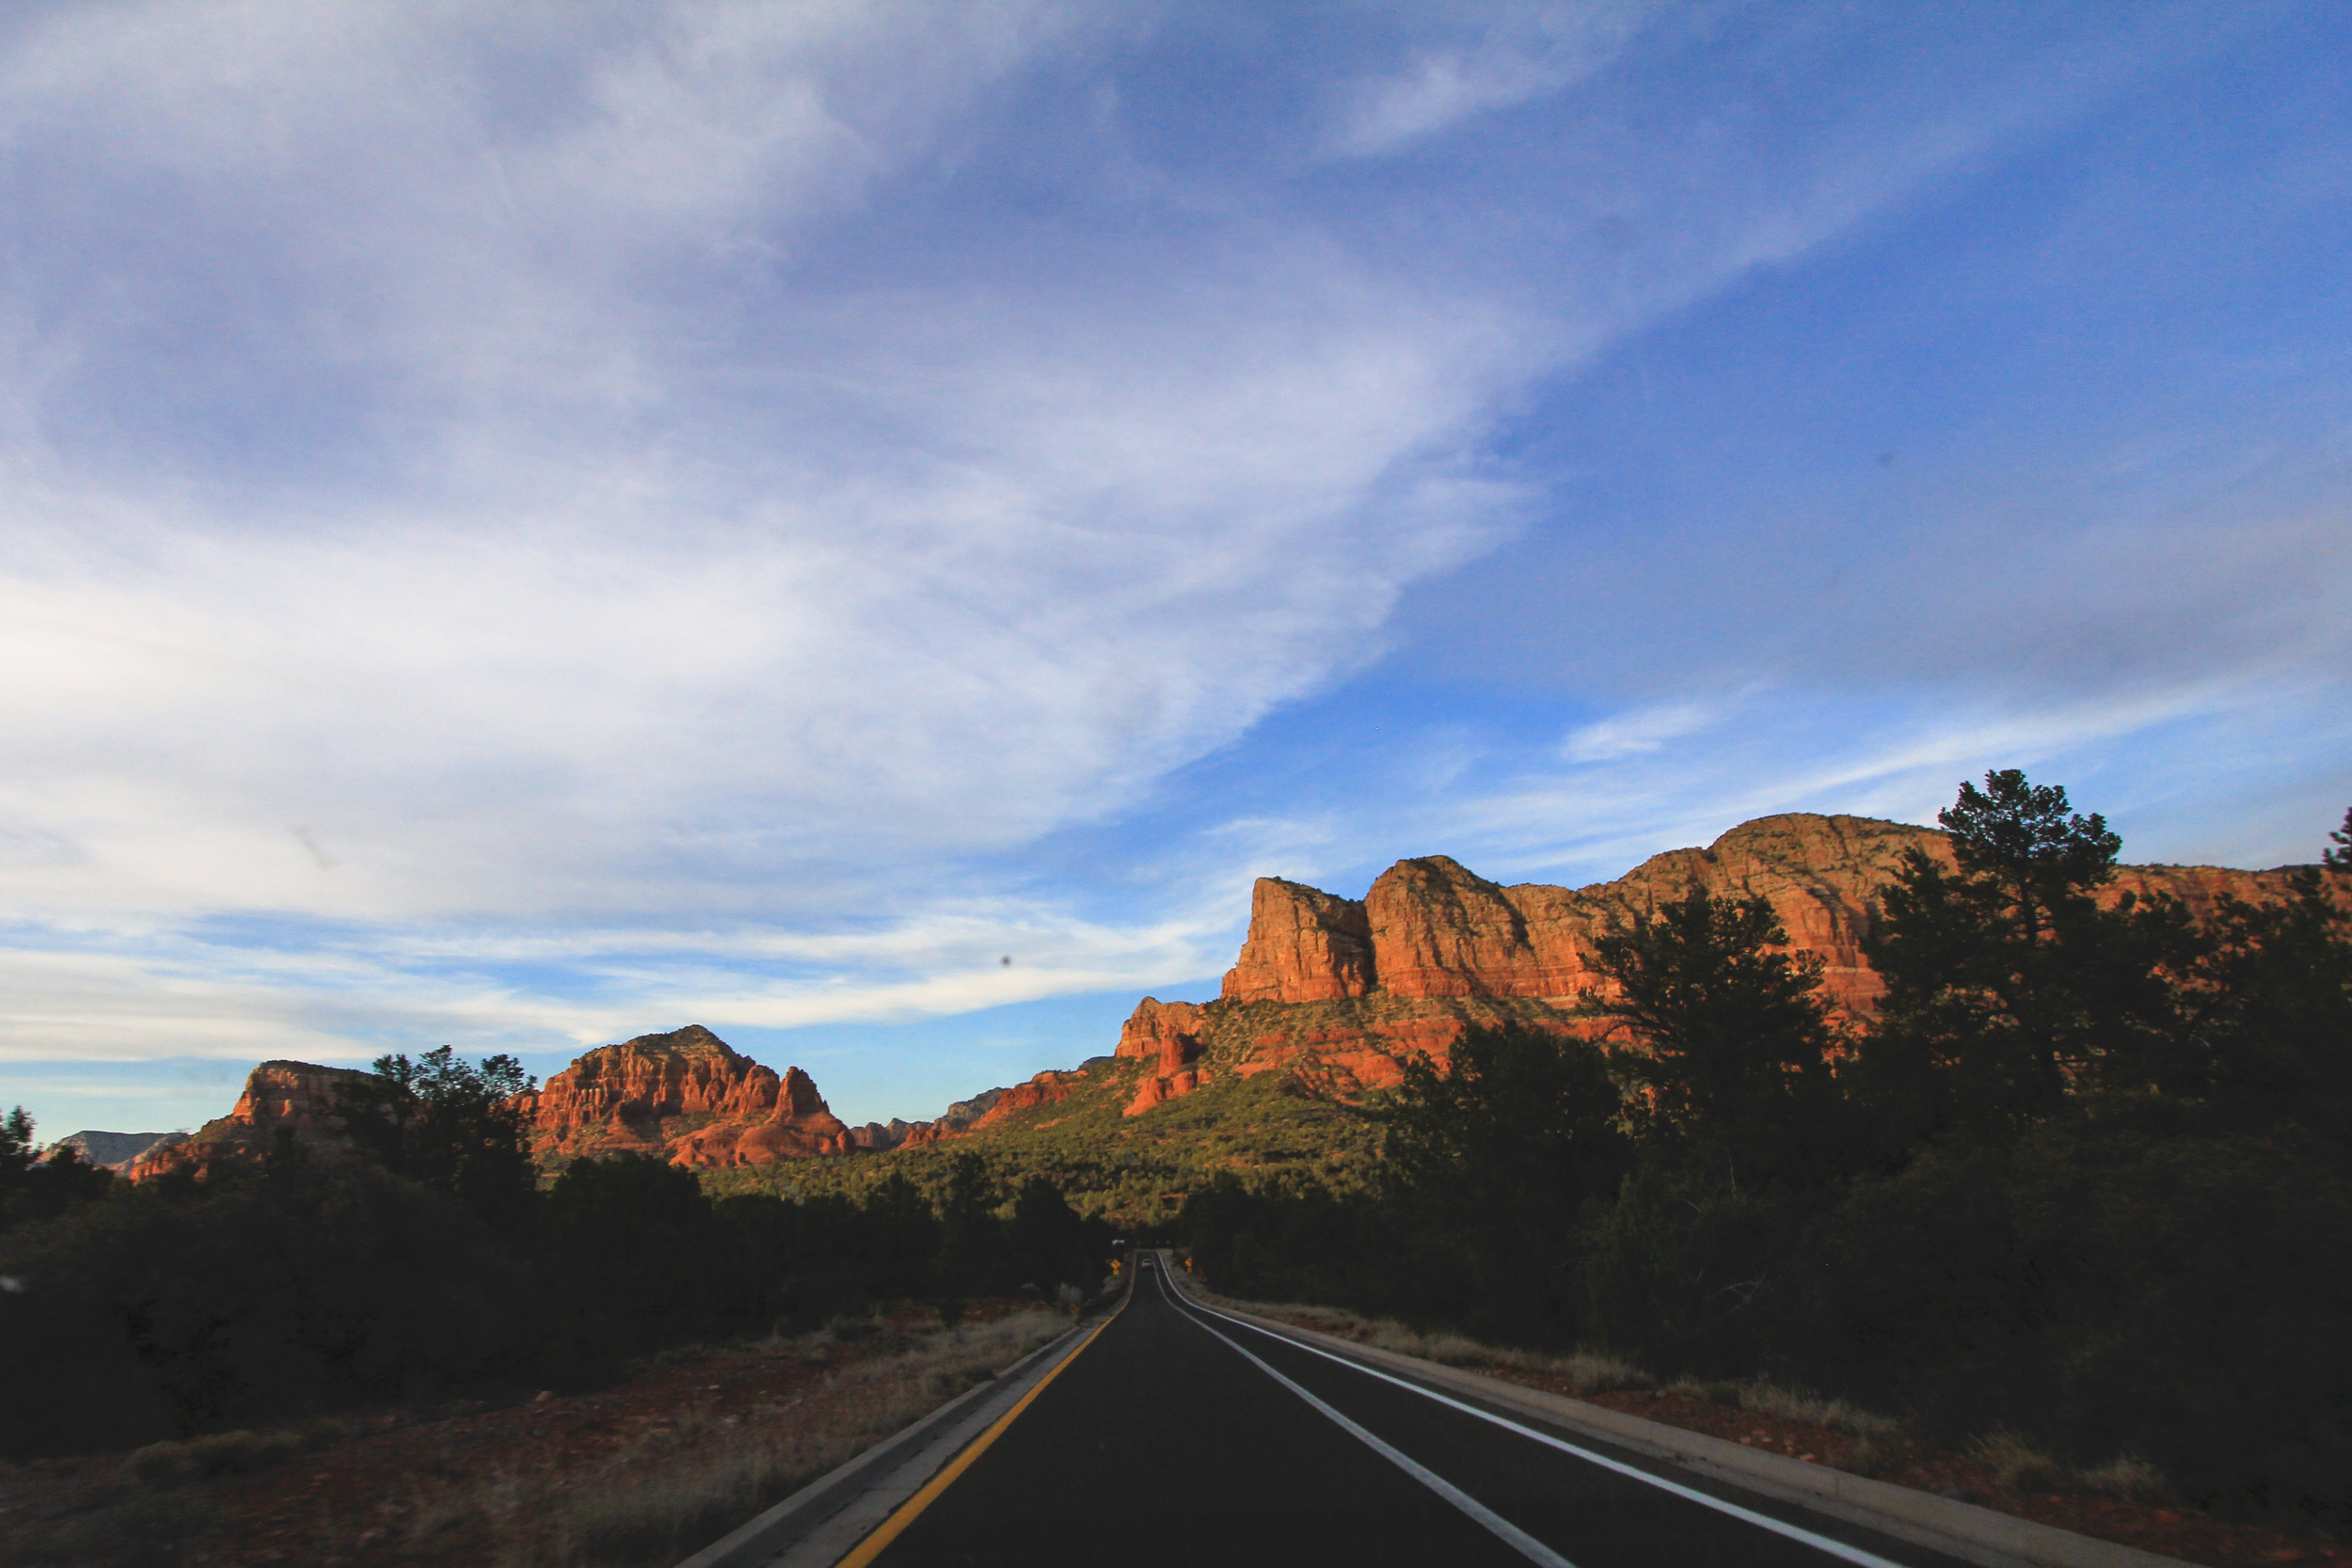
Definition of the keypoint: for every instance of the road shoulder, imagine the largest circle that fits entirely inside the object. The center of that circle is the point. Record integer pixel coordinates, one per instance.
(1977, 1535)
(823, 1521)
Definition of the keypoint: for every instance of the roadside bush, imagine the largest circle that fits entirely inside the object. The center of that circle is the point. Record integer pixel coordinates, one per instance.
(2115, 1285)
(1687, 1274)
(300, 1286)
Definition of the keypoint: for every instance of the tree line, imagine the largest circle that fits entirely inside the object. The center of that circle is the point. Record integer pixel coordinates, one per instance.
(428, 1261)
(2084, 1170)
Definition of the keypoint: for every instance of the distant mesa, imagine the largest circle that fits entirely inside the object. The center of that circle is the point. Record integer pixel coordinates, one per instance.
(109, 1151)
(1431, 927)
(1336, 994)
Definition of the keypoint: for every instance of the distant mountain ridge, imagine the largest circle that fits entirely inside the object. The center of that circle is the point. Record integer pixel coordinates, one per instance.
(1331, 995)
(111, 1150)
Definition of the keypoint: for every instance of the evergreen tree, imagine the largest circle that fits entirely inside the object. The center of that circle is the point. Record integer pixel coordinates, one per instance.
(445, 1122)
(901, 1239)
(2268, 999)
(1726, 1040)
(2008, 986)
(1491, 1163)
(1050, 1243)
(1519, 1120)
(40, 1189)
(972, 1239)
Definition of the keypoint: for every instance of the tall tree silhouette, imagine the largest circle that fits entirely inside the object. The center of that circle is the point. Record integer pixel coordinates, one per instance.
(1725, 1036)
(2008, 985)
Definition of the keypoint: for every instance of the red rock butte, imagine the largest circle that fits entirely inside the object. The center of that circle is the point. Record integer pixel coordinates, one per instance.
(298, 1096)
(687, 1095)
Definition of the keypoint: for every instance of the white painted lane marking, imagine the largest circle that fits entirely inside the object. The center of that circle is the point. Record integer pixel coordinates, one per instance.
(1778, 1527)
(1511, 1535)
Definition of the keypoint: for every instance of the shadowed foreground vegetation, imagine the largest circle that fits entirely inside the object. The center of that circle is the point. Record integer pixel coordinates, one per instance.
(311, 1283)
(2087, 1175)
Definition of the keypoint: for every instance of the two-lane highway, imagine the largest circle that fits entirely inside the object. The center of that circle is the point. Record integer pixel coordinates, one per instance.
(1181, 1435)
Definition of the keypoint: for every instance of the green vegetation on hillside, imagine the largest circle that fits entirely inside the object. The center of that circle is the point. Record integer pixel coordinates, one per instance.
(1131, 1171)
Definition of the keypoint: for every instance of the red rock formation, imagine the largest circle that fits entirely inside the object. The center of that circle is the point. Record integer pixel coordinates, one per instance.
(688, 1094)
(299, 1096)
(1304, 945)
(1169, 1030)
(1161, 1089)
(114, 1151)
(1169, 1033)
(1434, 949)
(801, 1126)
(1438, 929)
(1046, 1088)
(1433, 929)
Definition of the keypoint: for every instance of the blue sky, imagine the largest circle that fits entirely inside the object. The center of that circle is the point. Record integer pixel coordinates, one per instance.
(526, 524)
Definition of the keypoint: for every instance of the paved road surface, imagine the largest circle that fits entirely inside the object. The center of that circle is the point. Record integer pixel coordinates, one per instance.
(1173, 1437)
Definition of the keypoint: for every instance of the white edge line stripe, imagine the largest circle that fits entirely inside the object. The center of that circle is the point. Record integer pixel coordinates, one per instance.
(1526, 1544)
(1778, 1527)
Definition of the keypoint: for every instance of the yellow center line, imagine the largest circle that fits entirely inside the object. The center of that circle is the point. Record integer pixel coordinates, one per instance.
(871, 1547)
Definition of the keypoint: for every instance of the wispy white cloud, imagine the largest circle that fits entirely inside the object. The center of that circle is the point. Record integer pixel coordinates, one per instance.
(1631, 734)
(1492, 56)
(517, 522)
(674, 568)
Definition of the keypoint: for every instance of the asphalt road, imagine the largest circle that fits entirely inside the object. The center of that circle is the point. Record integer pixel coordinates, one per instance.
(1178, 1437)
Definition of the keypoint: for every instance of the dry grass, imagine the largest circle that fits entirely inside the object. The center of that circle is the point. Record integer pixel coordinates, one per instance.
(2126, 1475)
(2020, 1466)
(1586, 1372)
(2015, 1463)
(1792, 1404)
(132, 1521)
(686, 1483)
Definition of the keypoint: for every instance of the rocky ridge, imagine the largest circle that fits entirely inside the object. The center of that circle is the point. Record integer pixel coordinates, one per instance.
(114, 1151)
(1354, 983)
(1333, 995)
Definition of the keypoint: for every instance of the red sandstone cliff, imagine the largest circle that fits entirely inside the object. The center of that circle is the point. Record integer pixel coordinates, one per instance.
(687, 1094)
(1432, 948)
(1168, 1034)
(1435, 929)
(1334, 993)
(1304, 945)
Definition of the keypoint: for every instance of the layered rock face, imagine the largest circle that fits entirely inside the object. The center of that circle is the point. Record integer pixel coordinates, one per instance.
(687, 1094)
(1434, 949)
(1046, 1088)
(299, 1096)
(1435, 929)
(1168, 1034)
(799, 1126)
(1304, 945)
